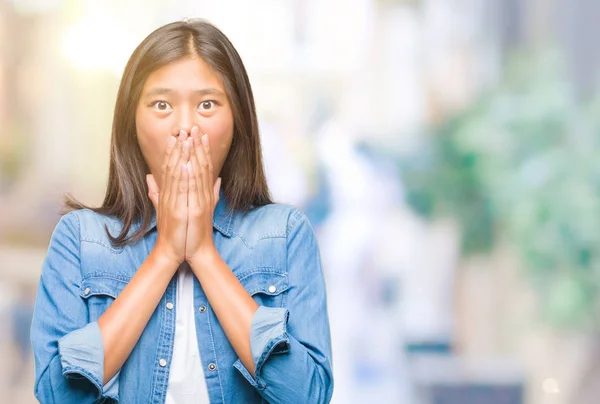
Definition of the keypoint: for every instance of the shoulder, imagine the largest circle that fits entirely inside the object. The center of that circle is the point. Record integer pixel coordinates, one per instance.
(88, 225)
(66, 247)
(270, 221)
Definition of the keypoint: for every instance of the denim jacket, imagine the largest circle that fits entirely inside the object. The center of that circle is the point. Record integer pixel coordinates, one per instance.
(273, 252)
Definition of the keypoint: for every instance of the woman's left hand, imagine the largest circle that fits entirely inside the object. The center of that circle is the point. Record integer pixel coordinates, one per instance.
(203, 195)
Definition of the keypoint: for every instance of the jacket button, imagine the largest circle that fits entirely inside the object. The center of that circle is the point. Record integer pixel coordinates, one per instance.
(202, 309)
(212, 367)
(170, 306)
(87, 291)
(162, 362)
(272, 289)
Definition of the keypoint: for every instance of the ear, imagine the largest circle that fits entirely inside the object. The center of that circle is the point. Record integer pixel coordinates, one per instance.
(153, 190)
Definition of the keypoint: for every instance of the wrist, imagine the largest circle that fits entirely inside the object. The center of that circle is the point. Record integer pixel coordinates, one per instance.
(164, 260)
(204, 258)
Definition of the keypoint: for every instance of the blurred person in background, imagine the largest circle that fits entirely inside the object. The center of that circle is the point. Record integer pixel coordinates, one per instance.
(21, 313)
(196, 288)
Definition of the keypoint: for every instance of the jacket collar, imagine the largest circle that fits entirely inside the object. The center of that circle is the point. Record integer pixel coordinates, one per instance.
(222, 218)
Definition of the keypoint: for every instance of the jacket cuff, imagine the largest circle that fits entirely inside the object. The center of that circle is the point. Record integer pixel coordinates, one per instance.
(82, 356)
(268, 336)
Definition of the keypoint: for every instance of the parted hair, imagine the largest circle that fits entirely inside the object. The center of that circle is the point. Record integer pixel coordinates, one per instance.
(243, 185)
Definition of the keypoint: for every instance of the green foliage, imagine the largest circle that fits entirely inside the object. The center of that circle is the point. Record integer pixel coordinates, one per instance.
(523, 163)
(12, 156)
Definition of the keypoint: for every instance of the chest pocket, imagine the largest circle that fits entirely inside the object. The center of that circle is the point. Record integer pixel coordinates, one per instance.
(267, 286)
(100, 291)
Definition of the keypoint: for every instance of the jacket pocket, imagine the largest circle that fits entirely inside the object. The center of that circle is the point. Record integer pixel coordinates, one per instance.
(268, 286)
(99, 291)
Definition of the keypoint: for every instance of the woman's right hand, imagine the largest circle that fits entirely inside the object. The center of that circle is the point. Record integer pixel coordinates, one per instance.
(170, 201)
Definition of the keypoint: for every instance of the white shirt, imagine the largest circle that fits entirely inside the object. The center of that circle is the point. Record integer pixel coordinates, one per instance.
(186, 377)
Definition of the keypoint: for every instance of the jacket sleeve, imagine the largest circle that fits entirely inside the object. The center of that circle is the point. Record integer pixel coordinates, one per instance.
(68, 350)
(291, 346)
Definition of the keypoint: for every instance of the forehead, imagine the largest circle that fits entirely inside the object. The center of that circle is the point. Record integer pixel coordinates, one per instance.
(188, 73)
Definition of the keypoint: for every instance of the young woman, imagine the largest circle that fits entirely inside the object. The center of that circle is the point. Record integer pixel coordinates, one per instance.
(188, 285)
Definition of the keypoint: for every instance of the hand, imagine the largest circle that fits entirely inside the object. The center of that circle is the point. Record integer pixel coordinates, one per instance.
(170, 201)
(203, 195)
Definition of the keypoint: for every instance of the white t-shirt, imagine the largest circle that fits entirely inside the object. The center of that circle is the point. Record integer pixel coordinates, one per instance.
(186, 377)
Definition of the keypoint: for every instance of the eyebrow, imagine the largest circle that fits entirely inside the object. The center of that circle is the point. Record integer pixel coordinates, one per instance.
(167, 91)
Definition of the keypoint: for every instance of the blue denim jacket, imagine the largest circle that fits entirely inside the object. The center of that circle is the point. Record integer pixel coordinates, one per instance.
(273, 252)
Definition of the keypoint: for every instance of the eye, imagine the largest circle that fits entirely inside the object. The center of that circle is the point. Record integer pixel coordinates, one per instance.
(206, 105)
(161, 105)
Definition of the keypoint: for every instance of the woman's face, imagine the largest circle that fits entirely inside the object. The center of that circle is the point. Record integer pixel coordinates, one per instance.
(179, 96)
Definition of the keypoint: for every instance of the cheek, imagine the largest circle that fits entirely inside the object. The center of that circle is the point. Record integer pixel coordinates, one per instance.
(220, 132)
(152, 142)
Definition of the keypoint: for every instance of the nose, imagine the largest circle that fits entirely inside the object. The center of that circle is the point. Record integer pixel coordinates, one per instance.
(185, 121)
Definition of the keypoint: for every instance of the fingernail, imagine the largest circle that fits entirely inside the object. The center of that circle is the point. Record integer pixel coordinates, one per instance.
(205, 139)
(183, 167)
(189, 166)
(194, 131)
(182, 134)
(172, 141)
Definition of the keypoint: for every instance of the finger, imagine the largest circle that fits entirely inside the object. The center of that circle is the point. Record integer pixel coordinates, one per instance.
(209, 174)
(186, 146)
(153, 191)
(171, 145)
(177, 187)
(192, 188)
(197, 178)
(182, 189)
(217, 191)
(195, 135)
(182, 135)
(201, 162)
(204, 186)
(173, 174)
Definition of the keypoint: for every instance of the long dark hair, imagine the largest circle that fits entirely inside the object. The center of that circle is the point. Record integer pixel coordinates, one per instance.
(243, 184)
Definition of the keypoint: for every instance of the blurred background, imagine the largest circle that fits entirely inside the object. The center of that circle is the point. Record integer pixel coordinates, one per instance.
(444, 150)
